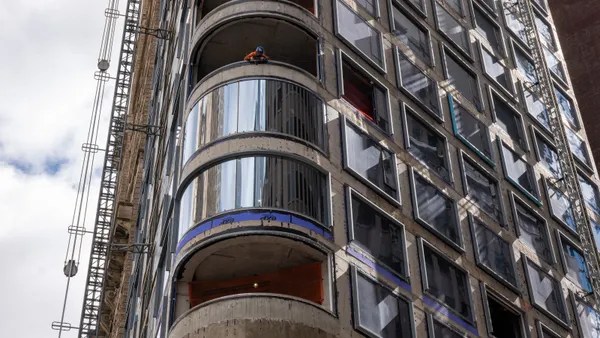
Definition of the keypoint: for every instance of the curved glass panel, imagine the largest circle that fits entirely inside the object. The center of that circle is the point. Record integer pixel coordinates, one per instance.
(267, 182)
(255, 105)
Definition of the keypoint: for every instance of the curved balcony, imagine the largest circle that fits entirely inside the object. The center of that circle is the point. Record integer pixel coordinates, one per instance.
(254, 183)
(275, 276)
(272, 107)
(202, 9)
(287, 32)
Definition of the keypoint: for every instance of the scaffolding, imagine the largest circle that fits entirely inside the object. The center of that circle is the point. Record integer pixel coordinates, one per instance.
(569, 181)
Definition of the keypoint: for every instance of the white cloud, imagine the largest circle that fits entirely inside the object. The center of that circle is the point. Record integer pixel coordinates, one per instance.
(49, 51)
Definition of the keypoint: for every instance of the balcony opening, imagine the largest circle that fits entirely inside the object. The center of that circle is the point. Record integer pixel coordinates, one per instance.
(505, 322)
(282, 41)
(254, 264)
(204, 7)
(365, 95)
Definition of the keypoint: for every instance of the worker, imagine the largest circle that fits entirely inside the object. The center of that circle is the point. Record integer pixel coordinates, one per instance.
(257, 56)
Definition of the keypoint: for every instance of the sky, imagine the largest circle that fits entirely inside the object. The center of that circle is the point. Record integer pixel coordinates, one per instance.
(48, 55)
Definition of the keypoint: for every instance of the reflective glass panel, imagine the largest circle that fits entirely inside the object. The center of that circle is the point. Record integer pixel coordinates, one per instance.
(359, 33)
(577, 146)
(482, 190)
(546, 291)
(452, 28)
(427, 146)
(419, 85)
(561, 207)
(566, 107)
(590, 193)
(548, 157)
(436, 210)
(493, 252)
(412, 35)
(575, 264)
(533, 231)
(496, 70)
(519, 172)
(471, 130)
(488, 29)
(463, 80)
(589, 320)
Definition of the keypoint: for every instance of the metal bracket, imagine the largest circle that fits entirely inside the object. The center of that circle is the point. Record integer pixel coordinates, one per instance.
(156, 32)
(139, 248)
(63, 326)
(144, 128)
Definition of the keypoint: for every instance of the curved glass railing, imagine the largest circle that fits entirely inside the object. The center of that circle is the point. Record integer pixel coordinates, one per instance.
(256, 182)
(258, 105)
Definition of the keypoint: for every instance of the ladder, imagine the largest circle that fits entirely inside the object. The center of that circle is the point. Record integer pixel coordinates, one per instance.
(105, 216)
(569, 180)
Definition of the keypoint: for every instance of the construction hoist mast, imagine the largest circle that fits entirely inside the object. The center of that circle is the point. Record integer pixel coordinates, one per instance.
(97, 269)
(569, 181)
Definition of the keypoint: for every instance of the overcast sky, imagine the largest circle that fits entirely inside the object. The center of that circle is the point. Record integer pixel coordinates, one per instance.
(48, 54)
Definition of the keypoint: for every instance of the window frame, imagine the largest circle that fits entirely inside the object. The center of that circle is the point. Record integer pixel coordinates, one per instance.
(511, 90)
(344, 57)
(562, 237)
(522, 95)
(382, 68)
(537, 198)
(488, 292)
(522, 130)
(351, 192)
(547, 184)
(525, 52)
(514, 36)
(478, 152)
(526, 260)
(439, 116)
(484, 9)
(462, 156)
(535, 134)
(588, 152)
(543, 327)
(576, 126)
(377, 8)
(395, 200)
(466, 53)
(488, 270)
(460, 247)
(421, 243)
(596, 190)
(447, 52)
(422, 11)
(430, 328)
(561, 62)
(538, 14)
(514, 199)
(401, 8)
(541, 8)
(574, 299)
(407, 110)
(354, 272)
(491, 11)
(463, 9)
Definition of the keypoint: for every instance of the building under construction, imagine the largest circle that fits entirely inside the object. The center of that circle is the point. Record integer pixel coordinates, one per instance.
(399, 168)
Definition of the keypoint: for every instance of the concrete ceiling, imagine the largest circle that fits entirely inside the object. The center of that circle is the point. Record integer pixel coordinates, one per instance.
(282, 42)
(248, 256)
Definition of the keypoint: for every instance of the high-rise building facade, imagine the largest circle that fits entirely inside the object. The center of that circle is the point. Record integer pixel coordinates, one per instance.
(397, 169)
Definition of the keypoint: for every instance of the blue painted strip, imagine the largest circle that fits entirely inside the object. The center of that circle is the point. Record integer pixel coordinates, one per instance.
(253, 215)
(446, 312)
(380, 269)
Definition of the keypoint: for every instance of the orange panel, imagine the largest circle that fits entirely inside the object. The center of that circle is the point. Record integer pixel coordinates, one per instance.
(303, 281)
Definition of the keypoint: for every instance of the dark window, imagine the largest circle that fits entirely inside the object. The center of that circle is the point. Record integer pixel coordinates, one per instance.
(546, 292)
(554, 64)
(378, 312)
(483, 190)
(509, 121)
(471, 131)
(575, 265)
(488, 29)
(566, 107)
(596, 231)
(422, 88)
(504, 321)
(452, 28)
(548, 156)
(590, 193)
(541, 3)
(496, 70)
(577, 146)
(560, 207)
(493, 252)
(532, 230)
(588, 319)
(519, 172)
(359, 33)
(427, 146)
(447, 283)
(370, 161)
(420, 4)
(525, 66)
(439, 330)
(378, 235)
(367, 97)
(435, 210)
(546, 333)
(536, 108)
(463, 80)
(412, 35)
